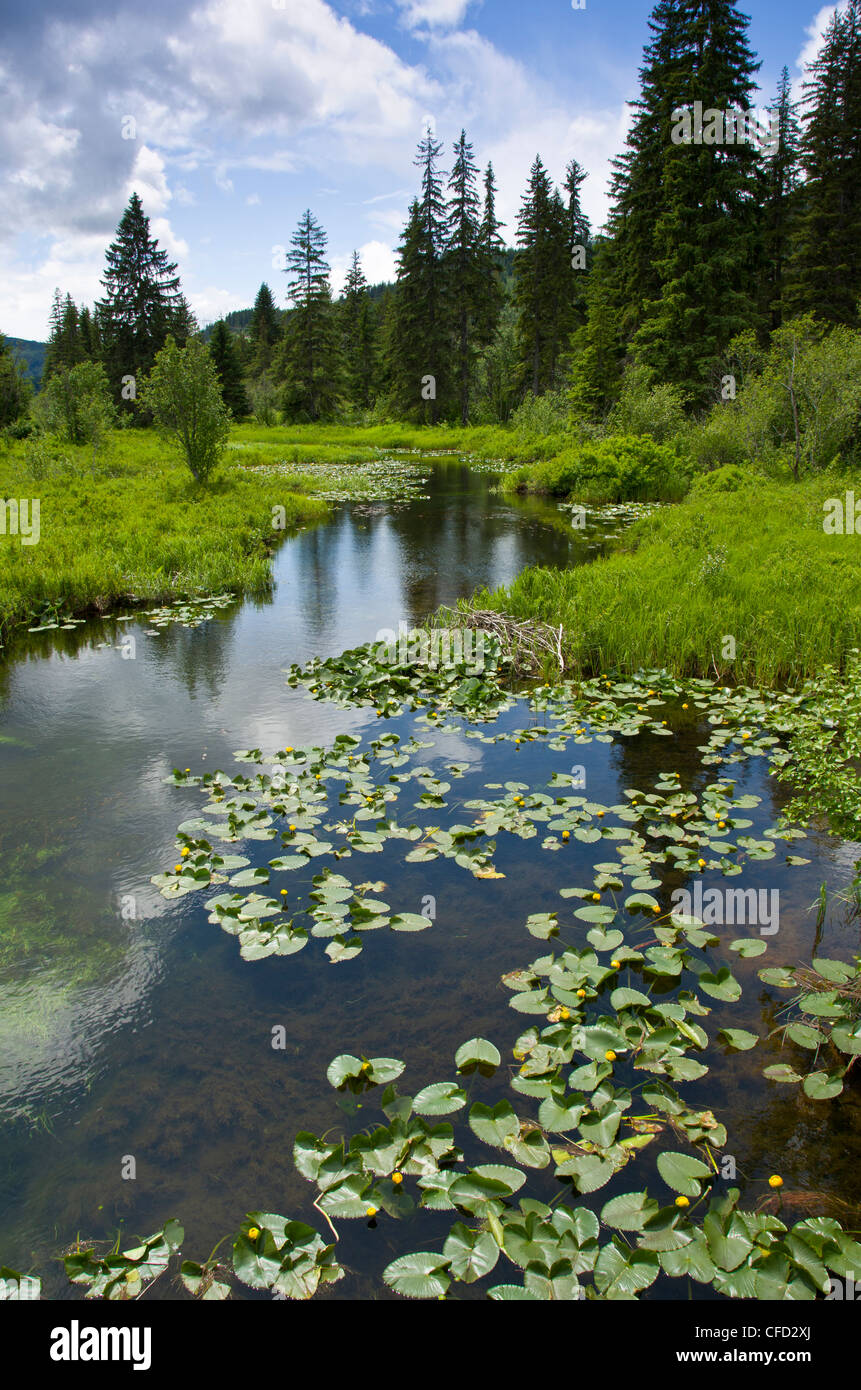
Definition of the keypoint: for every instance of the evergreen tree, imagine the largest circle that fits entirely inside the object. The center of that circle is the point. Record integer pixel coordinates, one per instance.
(579, 242)
(420, 347)
(463, 264)
(265, 329)
(636, 182)
(705, 234)
(359, 337)
(597, 371)
(65, 347)
(222, 348)
(143, 303)
(826, 277)
(779, 184)
(310, 360)
(543, 283)
(490, 253)
(88, 335)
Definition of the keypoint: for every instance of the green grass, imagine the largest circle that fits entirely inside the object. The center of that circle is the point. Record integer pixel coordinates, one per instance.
(752, 565)
(139, 530)
(311, 442)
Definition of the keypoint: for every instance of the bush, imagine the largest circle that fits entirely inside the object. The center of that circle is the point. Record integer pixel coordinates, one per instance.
(729, 478)
(183, 393)
(620, 468)
(76, 405)
(658, 411)
(542, 415)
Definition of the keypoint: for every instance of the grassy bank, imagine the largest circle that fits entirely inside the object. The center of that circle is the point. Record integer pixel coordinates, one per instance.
(138, 530)
(750, 572)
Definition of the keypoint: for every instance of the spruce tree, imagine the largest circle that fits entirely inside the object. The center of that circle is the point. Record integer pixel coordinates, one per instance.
(636, 182)
(143, 303)
(359, 338)
(65, 346)
(420, 345)
(779, 186)
(222, 349)
(88, 335)
(490, 252)
(543, 284)
(579, 242)
(826, 276)
(706, 231)
(463, 265)
(265, 329)
(310, 360)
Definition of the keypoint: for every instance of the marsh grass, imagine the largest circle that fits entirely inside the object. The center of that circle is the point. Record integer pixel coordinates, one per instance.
(754, 566)
(139, 530)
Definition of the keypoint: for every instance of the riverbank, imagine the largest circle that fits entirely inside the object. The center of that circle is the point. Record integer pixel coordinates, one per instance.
(744, 585)
(138, 530)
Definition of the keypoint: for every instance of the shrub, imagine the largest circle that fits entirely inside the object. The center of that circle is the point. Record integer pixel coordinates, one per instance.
(183, 393)
(642, 409)
(542, 415)
(619, 468)
(729, 478)
(76, 405)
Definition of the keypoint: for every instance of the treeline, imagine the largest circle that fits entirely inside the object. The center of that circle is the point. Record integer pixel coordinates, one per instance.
(719, 226)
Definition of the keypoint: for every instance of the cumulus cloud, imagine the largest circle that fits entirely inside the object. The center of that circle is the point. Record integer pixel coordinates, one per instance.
(434, 13)
(377, 260)
(815, 34)
(195, 105)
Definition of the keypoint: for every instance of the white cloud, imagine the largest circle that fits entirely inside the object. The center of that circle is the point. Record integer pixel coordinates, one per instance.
(212, 303)
(815, 32)
(446, 14)
(378, 262)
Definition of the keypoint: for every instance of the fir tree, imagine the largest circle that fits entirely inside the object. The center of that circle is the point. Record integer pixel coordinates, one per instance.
(65, 347)
(310, 360)
(359, 337)
(490, 252)
(826, 277)
(420, 346)
(705, 235)
(779, 184)
(222, 348)
(543, 282)
(88, 335)
(579, 242)
(462, 259)
(265, 330)
(143, 303)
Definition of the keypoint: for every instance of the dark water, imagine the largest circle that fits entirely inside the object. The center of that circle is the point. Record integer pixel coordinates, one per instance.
(131, 1026)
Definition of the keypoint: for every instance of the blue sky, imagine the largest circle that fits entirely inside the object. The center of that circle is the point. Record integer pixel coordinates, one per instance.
(230, 117)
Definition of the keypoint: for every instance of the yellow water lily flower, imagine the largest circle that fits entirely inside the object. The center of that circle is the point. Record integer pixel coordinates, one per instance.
(610, 1055)
(253, 1233)
(775, 1180)
(683, 1201)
